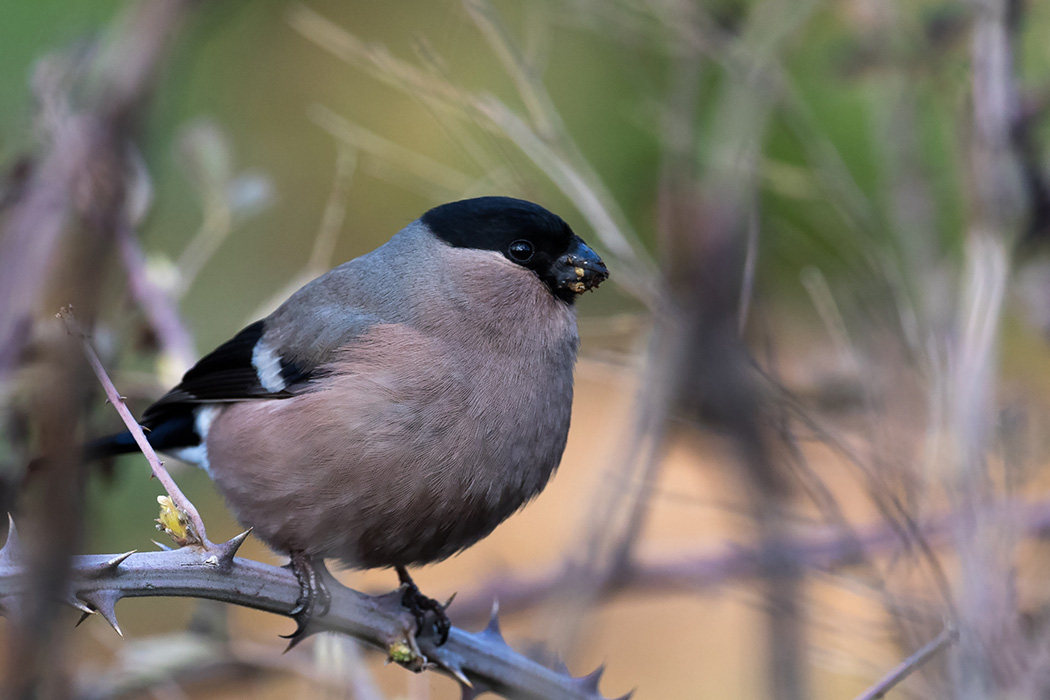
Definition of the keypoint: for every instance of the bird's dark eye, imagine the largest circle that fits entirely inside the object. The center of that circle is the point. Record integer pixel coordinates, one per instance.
(520, 251)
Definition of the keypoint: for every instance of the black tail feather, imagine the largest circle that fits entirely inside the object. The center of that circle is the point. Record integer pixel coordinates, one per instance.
(176, 430)
(110, 446)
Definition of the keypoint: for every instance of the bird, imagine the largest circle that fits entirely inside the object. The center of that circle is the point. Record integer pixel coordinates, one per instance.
(393, 411)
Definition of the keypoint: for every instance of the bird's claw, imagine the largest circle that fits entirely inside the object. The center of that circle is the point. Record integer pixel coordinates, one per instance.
(419, 605)
(314, 598)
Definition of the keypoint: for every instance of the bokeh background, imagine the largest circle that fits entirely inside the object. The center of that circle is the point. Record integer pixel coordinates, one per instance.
(809, 432)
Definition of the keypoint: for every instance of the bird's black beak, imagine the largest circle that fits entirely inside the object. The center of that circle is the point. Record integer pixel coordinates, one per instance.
(579, 268)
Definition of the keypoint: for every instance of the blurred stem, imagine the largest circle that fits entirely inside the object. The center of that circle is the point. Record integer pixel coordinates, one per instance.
(334, 211)
(542, 112)
(617, 510)
(571, 173)
(908, 666)
(54, 247)
(442, 182)
(735, 564)
(985, 545)
(160, 309)
(339, 659)
(214, 228)
(707, 263)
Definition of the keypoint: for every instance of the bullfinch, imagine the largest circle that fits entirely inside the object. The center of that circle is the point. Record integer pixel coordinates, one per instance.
(395, 410)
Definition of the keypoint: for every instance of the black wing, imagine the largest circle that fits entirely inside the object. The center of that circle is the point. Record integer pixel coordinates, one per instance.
(225, 374)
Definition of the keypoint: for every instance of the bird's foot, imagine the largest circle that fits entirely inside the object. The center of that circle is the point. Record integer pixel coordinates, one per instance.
(314, 598)
(419, 605)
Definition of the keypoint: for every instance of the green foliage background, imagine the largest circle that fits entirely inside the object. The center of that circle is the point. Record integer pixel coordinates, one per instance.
(847, 77)
(863, 179)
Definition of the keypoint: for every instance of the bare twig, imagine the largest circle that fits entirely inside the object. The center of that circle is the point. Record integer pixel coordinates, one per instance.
(906, 667)
(197, 534)
(706, 212)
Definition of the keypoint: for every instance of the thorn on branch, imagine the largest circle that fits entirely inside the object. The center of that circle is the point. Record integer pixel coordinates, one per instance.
(105, 604)
(113, 563)
(589, 683)
(472, 692)
(228, 550)
(492, 630)
(81, 606)
(453, 663)
(12, 552)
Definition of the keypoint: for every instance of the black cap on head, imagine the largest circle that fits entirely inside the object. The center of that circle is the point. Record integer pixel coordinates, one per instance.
(524, 233)
(493, 223)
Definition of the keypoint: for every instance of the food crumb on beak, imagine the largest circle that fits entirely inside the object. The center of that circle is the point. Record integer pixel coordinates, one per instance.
(579, 272)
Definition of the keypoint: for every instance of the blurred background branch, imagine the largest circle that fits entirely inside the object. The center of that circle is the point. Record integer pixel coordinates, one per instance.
(58, 234)
(810, 423)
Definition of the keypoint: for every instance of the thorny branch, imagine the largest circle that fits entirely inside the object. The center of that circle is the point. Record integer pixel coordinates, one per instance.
(481, 661)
